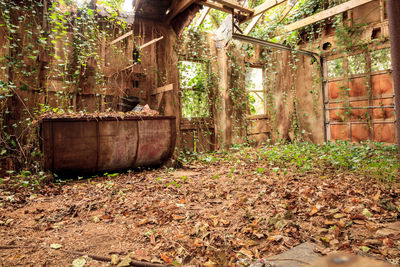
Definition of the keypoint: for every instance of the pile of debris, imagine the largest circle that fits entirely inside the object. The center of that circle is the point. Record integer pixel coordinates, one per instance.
(138, 111)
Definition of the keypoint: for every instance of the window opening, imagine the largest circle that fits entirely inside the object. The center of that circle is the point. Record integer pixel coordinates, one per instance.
(380, 59)
(376, 33)
(357, 64)
(194, 89)
(335, 68)
(255, 91)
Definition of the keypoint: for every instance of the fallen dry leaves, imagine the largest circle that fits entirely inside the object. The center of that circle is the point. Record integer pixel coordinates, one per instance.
(208, 214)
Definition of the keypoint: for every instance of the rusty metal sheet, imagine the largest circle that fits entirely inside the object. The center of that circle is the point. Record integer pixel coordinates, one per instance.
(385, 132)
(360, 132)
(382, 84)
(154, 142)
(339, 132)
(358, 87)
(117, 145)
(74, 146)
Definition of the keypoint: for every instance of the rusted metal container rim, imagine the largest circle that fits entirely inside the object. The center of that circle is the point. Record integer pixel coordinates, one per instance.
(136, 118)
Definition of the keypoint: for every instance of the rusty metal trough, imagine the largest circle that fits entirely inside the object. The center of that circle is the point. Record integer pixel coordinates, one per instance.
(88, 145)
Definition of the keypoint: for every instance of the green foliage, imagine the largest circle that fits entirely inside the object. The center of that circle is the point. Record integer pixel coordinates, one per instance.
(252, 103)
(380, 59)
(374, 160)
(194, 85)
(61, 43)
(377, 161)
(348, 36)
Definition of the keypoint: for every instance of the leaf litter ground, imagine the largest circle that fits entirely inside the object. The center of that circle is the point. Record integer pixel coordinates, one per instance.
(210, 212)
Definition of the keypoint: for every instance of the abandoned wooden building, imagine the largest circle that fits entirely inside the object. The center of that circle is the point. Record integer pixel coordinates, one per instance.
(87, 88)
(334, 90)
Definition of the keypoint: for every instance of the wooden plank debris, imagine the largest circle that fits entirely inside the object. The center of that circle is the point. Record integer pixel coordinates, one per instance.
(159, 93)
(325, 14)
(121, 37)
(151, 42)
(163, 89)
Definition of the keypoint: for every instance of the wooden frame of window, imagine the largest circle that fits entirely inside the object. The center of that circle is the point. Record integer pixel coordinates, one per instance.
(181, 89)
(263, 91)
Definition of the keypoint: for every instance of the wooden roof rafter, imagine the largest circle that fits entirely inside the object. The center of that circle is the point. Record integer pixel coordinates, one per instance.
(228, 7)
(232, 4)
(259, 11)
(137, 5)
(203, 16)
(253, 23)
(288, 8)
(178, 7)
(267, 5)
(325, 14)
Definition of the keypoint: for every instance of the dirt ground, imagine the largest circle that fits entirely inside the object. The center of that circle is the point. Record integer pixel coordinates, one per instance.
(234, 206)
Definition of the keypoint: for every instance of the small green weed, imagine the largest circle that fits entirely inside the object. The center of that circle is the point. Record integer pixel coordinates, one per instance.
(374, 160)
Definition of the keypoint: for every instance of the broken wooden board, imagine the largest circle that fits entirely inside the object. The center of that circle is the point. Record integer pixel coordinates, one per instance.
(163, 89)
(151, 42)
(122, 37)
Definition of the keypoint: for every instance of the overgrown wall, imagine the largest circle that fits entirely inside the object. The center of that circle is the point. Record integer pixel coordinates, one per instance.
(51, 61)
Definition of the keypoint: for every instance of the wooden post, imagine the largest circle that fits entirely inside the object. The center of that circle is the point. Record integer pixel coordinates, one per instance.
(394, 28)
(223, 125)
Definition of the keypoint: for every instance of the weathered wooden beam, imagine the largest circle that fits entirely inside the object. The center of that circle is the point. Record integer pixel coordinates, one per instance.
(326, 14)
(151, 42)
(121, 37)
(220, 7)
(261, 9)
(234, 5)
(268, 4)
(215, 6)
(180, 7)
(144, 46)
(204, 14)
(138, 4)
(163, 89)
(253, 23)
(287, 10)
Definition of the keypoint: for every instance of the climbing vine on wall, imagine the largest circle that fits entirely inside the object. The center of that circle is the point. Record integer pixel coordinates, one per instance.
(49, 49)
